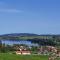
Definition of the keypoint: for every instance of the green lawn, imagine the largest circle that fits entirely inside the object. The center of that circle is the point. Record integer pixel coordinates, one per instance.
(21, 57)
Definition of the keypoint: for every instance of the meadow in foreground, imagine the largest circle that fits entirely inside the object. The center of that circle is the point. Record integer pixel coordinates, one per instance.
(4, 56)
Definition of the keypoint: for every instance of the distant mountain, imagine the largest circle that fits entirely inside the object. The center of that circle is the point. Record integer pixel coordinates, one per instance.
(20, 34)
(41, 39)
(25, 36)
(28, 34)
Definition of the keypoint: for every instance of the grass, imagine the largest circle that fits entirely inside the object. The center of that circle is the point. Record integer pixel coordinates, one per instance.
(5, 56)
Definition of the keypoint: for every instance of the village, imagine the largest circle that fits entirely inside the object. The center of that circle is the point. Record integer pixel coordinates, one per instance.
(42, 50)
(51, 51)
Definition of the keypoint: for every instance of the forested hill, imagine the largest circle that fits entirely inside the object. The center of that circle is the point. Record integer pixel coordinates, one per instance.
(28, 36)
(20, 34)
(35, 38)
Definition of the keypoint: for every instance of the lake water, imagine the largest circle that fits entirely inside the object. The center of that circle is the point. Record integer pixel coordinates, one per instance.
(11, 42)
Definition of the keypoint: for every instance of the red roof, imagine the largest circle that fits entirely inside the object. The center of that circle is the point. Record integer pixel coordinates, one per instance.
(23, 51)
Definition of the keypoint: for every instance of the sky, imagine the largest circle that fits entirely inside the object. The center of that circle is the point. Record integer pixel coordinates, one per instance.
(30, 16)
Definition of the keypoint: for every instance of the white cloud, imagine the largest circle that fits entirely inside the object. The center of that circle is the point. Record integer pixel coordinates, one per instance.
(10, 10)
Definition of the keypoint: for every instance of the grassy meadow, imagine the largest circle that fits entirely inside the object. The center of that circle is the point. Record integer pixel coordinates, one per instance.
(5, 56)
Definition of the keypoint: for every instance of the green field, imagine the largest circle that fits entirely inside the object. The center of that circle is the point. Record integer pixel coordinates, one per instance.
(21, 57)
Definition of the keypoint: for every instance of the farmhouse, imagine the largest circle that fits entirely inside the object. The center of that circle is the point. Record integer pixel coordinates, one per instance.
(23, 52)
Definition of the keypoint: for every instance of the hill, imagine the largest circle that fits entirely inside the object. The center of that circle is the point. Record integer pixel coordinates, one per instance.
(35, 38)
(27, 36)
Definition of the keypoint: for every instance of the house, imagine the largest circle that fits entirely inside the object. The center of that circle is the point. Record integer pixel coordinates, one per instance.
(23, 52)
(18, 53)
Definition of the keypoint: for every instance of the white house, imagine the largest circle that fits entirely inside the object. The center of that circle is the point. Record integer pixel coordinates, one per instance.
(23, 52)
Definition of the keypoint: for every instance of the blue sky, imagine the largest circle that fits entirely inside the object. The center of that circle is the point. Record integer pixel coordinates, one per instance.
(30, 16)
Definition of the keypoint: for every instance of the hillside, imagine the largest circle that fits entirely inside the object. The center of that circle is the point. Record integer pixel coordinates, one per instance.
(28, 36)
(35, 38)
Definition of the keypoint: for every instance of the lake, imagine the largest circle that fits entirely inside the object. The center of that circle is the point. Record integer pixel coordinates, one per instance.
(11, 42)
